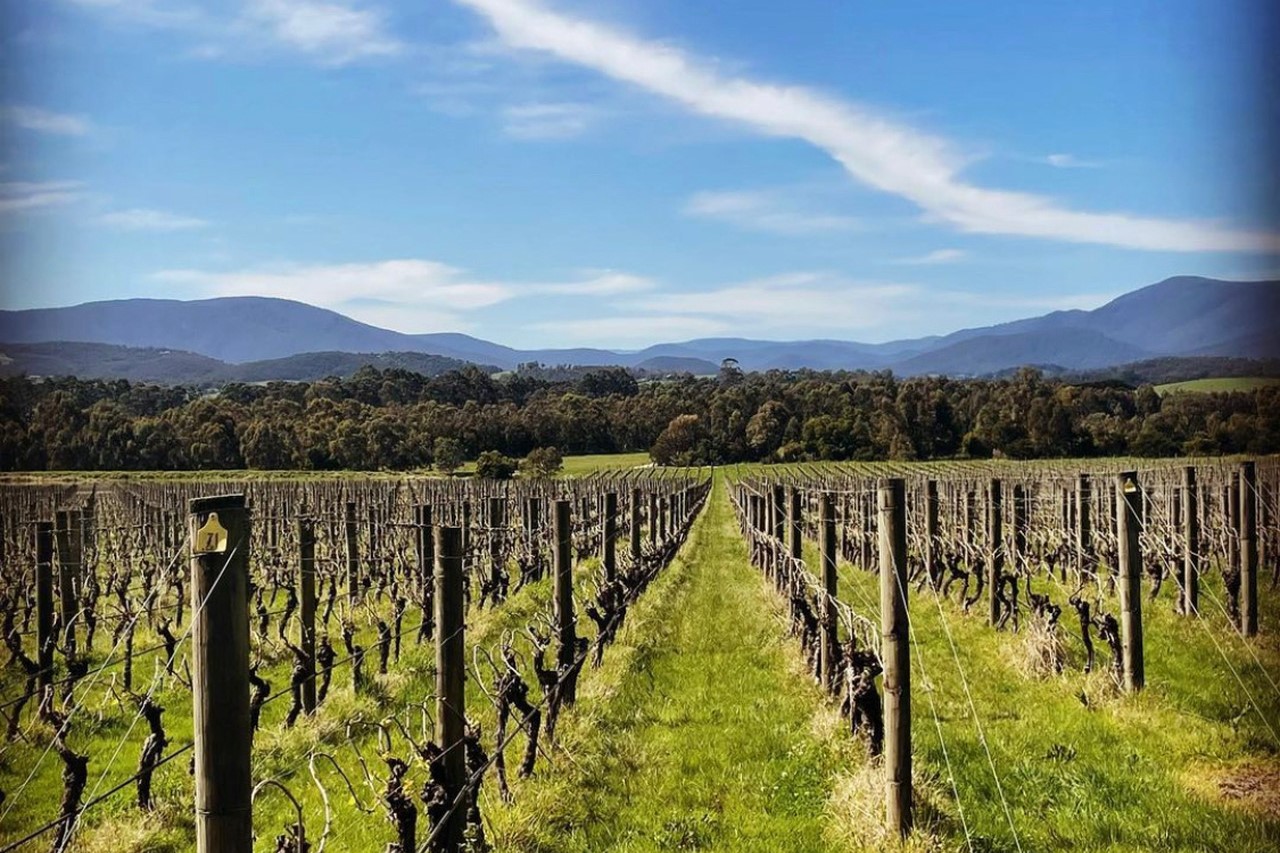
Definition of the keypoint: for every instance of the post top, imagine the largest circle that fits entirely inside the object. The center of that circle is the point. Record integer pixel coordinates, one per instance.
(215, 503)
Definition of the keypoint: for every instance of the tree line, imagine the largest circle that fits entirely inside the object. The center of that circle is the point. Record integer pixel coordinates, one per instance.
(392, 419)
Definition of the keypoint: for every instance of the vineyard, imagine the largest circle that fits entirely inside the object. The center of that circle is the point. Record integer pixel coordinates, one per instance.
(970, 656)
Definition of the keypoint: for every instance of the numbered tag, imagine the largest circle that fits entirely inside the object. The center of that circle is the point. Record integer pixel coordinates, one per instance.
(1130, 485)
(211, 538)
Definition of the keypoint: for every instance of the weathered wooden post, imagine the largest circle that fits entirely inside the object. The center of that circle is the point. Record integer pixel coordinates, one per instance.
(307, 608)
(653, 518)
(562, 595)
(44, 604)
(610, 535)
(634, 510)
(1130, 570)
(220, 673)
(1190, 543)
(1248, 548)
(497, 524)
(451, 667)
(1231, 502)
(795, 519)
(1084, 527)
(353, 556)
(970, 527)
(1019, 528)
(895, 651)
(828, 637)
(664, 513)
(70, 542)
(995, 550)
(931, 530)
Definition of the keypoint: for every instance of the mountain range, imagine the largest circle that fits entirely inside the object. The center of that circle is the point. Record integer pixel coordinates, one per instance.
(259, 338)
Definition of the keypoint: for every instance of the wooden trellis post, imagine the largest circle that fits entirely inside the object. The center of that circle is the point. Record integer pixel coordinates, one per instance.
(635, 525)
(610, 535)
(220, 673)
(44, 604)
(353, 556)
(895, 651)
(562, 593)
(1248, 549)
(307, 608)
(1128, 525)
(1084, 527)
(995, 550)
(829, 637)
(1190, 543)
(451, 667)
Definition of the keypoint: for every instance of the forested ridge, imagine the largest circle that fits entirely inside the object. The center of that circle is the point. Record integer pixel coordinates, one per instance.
(390, 419)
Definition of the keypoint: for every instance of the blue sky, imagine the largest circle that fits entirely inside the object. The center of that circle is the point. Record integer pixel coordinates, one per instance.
(622, 172)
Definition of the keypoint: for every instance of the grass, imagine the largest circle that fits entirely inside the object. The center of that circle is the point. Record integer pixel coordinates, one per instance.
(700, 733)
(1231, 383)
(1080, 766)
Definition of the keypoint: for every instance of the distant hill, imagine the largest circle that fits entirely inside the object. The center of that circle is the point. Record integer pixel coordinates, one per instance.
(663, 364)
(175, 367)
(1178, 317)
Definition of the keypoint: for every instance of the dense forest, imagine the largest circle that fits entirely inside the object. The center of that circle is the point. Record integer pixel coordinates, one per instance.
(391, 419)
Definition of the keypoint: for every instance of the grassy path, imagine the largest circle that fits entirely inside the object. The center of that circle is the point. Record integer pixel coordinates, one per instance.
(701, 732)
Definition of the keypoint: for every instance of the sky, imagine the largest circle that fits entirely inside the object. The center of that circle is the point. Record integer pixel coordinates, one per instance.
(553, 173)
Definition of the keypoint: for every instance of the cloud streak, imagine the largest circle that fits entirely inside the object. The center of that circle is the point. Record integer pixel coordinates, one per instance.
(406, 294)
(547, 121)
(880, 153)
(329, 32)
(47, 121)
(145, 219)
(763, 211)
(26, 196)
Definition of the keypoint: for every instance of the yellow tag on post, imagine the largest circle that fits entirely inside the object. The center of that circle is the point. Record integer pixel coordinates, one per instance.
(211, 538)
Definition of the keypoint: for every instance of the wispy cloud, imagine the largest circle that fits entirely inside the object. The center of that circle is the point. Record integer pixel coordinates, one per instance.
(412, 285)
(406, 294)
(329, 32)
(47, 121)
(1070, 161)
(548, 121)
(25, 196)
(334, 32)
(763, 210)
(877, 151)
(791, 302)
(597, 283)
(144, 219)
(937, 256)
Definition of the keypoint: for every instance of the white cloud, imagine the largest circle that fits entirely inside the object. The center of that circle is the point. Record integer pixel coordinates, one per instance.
(876, 151)
(547, 121)
(408, 295)
(598, 283)
(330, 32)
(791, 302)
(405, 283)
(763, 211)
(144, 219)
(335, 32)
(46, 121)
(20, 196)
(630, 331)
(1070, 161)
(937, 256)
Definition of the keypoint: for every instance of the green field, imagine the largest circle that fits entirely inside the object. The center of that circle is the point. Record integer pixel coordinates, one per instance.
(703, 731)
(1230, 383)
